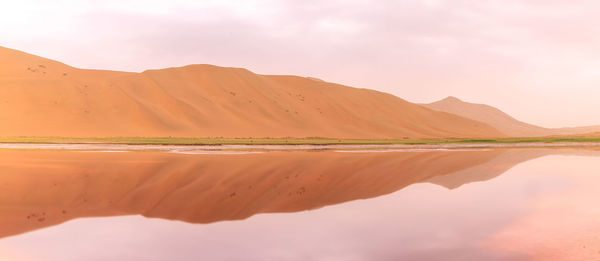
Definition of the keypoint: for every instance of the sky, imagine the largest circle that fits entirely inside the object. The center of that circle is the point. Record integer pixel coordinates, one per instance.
(536, 60)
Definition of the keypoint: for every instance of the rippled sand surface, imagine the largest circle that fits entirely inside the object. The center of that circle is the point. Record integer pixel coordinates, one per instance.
(416, 204)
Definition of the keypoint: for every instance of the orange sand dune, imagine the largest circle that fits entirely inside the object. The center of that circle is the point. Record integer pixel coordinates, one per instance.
(44, 188)
(502, 121)
(40, 97)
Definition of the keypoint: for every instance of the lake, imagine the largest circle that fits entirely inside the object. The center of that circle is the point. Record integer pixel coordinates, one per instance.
(305, 204)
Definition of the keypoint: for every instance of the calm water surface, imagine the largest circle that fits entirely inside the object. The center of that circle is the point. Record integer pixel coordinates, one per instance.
(504, 204)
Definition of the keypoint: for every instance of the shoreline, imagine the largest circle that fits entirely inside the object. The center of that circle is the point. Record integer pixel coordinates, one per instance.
(160, 141)
(254, 148)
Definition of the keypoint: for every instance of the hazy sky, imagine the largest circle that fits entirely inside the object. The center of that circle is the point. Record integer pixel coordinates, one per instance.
(537, 60)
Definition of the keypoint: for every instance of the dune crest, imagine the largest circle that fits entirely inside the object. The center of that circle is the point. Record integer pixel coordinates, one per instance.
(502, 121)
(41, 97)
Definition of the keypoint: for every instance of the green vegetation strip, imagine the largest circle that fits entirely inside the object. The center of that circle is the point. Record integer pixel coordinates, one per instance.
(274, 141)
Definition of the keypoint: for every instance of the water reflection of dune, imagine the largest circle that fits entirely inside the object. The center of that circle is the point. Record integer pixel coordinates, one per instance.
(44, 188)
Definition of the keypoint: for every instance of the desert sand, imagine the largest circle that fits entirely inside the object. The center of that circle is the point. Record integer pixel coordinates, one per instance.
(44, 188)
(41, 97)
(502, 121)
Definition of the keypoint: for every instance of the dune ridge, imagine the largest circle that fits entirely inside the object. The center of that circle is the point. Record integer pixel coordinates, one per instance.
(504, 122)
(41, 97)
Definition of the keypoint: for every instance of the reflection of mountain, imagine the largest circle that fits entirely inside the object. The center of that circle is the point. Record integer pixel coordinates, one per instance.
(502, 162)
(44, 188)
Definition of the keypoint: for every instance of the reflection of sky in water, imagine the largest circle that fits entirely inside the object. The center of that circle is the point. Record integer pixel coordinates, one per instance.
(478, 221)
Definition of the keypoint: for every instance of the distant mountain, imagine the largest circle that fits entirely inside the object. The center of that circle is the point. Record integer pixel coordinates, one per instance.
(41, 97)
(502, 121)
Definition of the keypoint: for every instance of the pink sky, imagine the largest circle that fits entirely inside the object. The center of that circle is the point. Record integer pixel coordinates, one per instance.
(536, 60)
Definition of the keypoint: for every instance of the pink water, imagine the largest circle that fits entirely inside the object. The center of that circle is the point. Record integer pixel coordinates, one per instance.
(541, 209)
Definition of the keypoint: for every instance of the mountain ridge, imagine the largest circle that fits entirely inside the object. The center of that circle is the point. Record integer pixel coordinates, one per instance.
(502, 121)
(42, 97)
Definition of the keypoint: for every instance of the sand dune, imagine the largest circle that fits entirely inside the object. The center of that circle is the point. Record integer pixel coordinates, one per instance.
(41, 97)
(44, 188)
(502, 121)
(589, 131)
